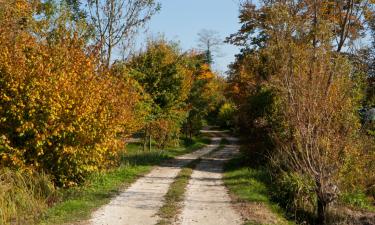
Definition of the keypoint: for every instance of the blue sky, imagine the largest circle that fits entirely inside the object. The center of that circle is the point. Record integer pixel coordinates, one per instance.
(181, 20)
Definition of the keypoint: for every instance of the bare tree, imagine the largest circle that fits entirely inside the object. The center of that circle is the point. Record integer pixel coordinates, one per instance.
(117, 22)
(209, 41)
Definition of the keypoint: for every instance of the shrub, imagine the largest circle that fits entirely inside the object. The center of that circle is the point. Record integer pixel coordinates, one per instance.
(295, 192)
(226, 115)
(356, 198)
(59, 113)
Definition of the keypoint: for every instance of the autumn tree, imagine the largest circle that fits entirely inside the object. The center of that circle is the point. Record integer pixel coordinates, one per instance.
(370, 60)
(349, 19)
(76, 9)
(206, 94)
(291, 64)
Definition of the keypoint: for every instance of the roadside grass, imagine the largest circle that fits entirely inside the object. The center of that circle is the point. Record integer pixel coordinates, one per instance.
(252, 185)
(251, 188)
(78, 202)
(23, 195)
(358, 200)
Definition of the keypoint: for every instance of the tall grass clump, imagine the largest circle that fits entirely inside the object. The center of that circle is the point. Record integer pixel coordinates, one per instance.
(24, 195)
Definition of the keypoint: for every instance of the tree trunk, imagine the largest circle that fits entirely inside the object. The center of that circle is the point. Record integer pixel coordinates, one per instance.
(322, 202)
(322, 212)
(145, 140)
(186, 129)
(150, 142)
(190, 130)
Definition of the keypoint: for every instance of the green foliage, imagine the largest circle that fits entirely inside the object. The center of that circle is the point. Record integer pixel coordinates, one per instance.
(358, 199)
(165, 80)
(180, 90)
(160, 72)
(295, 192)
(205, 97)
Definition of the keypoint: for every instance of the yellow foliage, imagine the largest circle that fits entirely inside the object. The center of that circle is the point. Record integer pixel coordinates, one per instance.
(205, 73)
(58, 113)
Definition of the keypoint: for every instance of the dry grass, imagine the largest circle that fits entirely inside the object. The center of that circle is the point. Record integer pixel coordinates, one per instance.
(343, 215)
(23, 196)
(255, 212)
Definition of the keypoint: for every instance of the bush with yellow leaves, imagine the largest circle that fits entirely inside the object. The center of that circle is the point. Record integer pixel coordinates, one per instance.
(59, 111)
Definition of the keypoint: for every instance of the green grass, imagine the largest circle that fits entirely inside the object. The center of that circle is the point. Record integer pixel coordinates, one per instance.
(357, 199)
(251, 185)
(79, 202)
(189, 146)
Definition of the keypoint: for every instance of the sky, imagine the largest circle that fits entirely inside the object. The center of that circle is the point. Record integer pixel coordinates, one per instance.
(182, 20)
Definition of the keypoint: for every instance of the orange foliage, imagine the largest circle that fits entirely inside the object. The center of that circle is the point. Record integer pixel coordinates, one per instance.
(57, 113)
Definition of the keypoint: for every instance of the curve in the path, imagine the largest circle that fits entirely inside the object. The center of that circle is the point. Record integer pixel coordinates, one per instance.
(206, 199)
(139, 204)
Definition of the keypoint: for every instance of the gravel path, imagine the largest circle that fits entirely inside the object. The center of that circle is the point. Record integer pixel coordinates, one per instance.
(206, 200)
(139, 204)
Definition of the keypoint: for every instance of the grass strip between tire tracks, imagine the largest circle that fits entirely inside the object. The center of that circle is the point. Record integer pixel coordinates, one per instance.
(175, 195)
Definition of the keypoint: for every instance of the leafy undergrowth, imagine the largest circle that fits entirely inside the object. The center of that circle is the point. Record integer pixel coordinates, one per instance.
(358, 200)
(78, 202)
(250, 188)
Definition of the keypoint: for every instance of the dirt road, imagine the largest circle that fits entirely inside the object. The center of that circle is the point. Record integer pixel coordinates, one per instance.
(206, 200)
(139, 204)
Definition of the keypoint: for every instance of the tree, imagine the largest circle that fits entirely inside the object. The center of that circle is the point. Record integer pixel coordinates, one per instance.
(348, 21)
(162, 72)
(370, 60)
(209, 42)
(206, 93)
(291, 61)
(349, 17)
(75, 7)
(117, 21)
